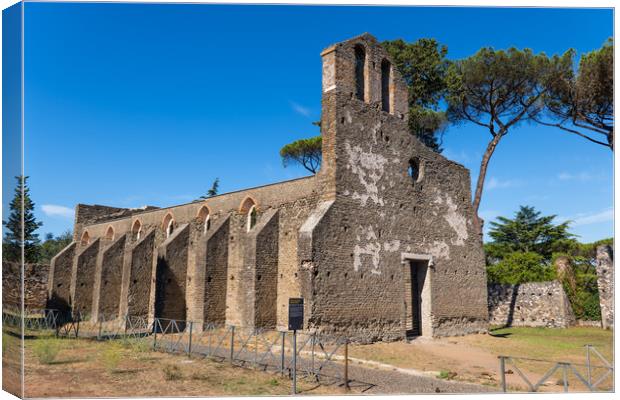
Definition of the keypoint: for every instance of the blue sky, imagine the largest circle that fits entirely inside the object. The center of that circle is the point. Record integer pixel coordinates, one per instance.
(133, 104)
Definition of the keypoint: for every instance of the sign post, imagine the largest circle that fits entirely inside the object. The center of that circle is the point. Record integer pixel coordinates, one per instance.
(295, 322)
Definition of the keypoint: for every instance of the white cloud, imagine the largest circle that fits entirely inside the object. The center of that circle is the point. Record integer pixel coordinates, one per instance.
(582, 176)
(299, 109)
(495, 183)
(593, 218)
(52, 210)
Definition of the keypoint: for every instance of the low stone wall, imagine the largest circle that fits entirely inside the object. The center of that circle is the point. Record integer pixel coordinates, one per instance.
(35, 285)
(530, 304)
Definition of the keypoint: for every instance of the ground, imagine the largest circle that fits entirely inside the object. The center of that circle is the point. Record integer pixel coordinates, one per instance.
(474, 358)
(87, 368)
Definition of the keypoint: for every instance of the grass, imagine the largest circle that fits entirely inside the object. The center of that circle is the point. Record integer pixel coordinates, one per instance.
(111, 357)
(46, 350)
(550, 343)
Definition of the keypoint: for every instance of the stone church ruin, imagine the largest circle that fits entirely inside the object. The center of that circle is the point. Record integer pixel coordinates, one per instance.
(380, 243)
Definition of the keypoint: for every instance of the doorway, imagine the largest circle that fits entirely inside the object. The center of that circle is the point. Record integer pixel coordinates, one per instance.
(417, 299)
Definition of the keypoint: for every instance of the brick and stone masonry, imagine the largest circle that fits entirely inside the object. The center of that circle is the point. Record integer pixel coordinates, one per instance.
(380, 243)
(539, 304)
(605, 281)
(34, 283)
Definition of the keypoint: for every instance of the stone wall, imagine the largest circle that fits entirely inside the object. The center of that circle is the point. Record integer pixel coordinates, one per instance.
(395, 201)
(216, 273)
(530, 304)
(35, 285)
(83, 279)
(60, 275)
(108, 280)
(139, 271)
(171, 275)
(605, 272)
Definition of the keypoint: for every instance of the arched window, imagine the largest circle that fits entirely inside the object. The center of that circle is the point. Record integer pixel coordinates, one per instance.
(360, 72)
(204, 217)
(248, 207)
(252, 216)
(415, 169)
(168, 224)
(85, 238)
(136, 230)
(109, 233)
(386, 77)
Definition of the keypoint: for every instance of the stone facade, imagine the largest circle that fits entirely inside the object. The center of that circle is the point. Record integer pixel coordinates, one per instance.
(605, 272)
(380, 243)
(35, 285)
(530, 304)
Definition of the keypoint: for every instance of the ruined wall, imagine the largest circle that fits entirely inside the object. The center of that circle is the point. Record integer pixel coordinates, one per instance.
(139, 280)
(266, 272)
(84, 268)
(605, 281)
(35, 285)
(530, 304)
(109, 279)
(381, 213)
(291, 217)
(59, 282)
(216, 273)
(171, 275)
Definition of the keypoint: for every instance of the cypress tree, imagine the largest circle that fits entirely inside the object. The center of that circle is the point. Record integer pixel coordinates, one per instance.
(12, 241)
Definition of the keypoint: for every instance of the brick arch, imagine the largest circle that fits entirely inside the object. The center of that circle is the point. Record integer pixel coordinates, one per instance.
(109, 233)
(136, 230)
(168, 224)
(203, 213)
(85, 238)
(204, 217)
(247, 204)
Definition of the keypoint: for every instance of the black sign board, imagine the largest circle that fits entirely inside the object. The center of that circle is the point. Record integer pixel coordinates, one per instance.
(295, 314)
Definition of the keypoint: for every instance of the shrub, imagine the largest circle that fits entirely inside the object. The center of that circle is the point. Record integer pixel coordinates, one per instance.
(520, 267)
(172, 373)
(111, 357)
(46, 350)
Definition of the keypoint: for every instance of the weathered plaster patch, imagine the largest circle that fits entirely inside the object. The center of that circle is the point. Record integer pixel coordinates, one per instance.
(370, 249)
(457, 222)
(438, 250)
(369, 168)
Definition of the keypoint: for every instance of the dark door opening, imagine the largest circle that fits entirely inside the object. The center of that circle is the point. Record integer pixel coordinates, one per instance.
(415, 277)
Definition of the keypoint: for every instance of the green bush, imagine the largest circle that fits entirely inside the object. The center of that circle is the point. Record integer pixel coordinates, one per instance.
(46, 350)
(111, 357)
(519, 267)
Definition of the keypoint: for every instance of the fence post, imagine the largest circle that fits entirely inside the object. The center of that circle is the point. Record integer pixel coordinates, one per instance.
(232, 343)
(256, 349)
(502, 372)
(588, 364)
(346, 364)
(77, 329)
(189, 346)
(312, 354)
(565, 377)
(282, 357)
(154, 333)
(294, 362)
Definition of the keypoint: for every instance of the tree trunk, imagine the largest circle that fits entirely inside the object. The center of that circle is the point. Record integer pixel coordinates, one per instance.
(480, 184)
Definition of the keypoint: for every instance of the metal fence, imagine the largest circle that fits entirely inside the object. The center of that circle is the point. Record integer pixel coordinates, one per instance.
(320, 357)
(590, 376)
